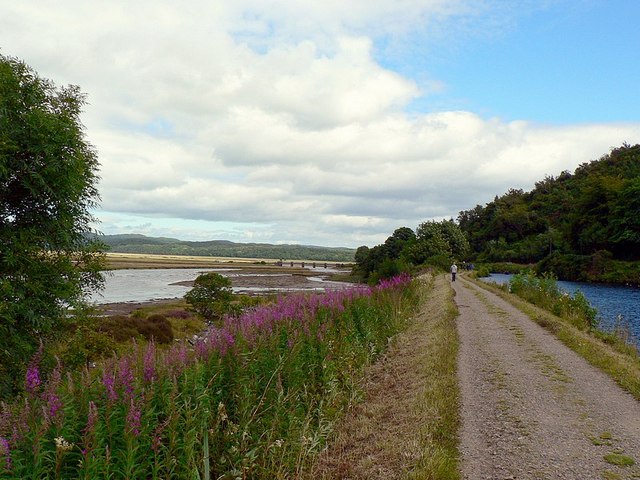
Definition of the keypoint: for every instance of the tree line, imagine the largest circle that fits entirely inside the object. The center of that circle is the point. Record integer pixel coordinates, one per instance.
(433, 243)
(583, 225)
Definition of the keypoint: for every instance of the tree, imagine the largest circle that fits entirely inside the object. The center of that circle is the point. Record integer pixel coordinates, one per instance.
(47, 189)
(439, 239)
(386, 260)
(210, 296)
(396, 243)
(361, 255)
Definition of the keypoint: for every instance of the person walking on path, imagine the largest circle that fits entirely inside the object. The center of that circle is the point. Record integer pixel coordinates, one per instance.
(454, 270)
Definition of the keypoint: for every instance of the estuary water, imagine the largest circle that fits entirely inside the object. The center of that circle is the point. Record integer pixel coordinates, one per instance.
(143, 285)
(613, 302)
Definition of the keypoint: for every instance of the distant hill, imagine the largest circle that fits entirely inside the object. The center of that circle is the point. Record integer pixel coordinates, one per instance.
(135, 243)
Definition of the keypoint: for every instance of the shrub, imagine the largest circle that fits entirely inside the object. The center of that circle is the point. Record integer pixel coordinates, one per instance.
(156, 327)
(123, 328)
(86, 345)
(210, 296)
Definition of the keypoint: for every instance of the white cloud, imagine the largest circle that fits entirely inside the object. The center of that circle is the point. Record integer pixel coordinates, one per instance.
(273, 120)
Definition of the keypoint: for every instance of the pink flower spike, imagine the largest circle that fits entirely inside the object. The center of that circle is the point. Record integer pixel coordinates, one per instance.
(32, 379)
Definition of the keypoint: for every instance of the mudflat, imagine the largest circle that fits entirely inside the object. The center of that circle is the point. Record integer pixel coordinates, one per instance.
(248, 276)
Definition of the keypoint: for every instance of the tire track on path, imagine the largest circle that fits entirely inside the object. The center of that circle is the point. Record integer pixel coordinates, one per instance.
(532, 408)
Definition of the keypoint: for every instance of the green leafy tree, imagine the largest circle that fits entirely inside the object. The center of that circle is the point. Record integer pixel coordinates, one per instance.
(568, 223)
(361, 255)
(625, 222)
(47, 189)
(398, 241)
(438, 239)
(210, 296)
(385, 260)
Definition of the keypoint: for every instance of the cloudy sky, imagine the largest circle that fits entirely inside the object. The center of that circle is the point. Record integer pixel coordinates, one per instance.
(331, 122)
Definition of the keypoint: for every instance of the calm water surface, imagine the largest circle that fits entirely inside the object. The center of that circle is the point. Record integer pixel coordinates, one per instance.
(611, 301)
(142, 285)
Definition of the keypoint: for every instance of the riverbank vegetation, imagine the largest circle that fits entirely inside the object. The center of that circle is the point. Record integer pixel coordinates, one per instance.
(254, 398)
(433, 244)
(581, 226)
(571, 319)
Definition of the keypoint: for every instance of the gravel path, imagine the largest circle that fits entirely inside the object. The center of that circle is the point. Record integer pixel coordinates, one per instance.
(531, 408)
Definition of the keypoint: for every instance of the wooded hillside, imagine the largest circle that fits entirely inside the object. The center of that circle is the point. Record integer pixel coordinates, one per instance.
(223, 248)
(576, 224)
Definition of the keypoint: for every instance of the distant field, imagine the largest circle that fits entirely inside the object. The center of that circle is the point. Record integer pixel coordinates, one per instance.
(116, 261)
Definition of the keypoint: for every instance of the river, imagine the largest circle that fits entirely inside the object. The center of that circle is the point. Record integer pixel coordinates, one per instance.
(611, 301)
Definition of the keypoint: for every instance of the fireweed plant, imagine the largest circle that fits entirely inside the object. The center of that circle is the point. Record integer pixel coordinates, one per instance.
(254, 398)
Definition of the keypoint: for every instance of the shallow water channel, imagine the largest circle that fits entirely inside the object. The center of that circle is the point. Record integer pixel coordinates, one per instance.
(143, 285)
(613, 302)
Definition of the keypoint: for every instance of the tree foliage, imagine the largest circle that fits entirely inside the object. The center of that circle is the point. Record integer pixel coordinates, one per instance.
(434, 243)
(210, 296)
(593, 210)
(47, 189)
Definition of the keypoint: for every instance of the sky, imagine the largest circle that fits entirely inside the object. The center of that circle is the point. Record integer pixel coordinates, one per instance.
(331, 122)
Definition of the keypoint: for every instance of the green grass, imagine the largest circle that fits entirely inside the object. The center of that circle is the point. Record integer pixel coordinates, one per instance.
(440, 400)
(619, 460)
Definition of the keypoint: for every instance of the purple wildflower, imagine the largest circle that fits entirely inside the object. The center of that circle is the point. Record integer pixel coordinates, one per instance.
(133, 418)
(54, 406)
(5, 450)
(156, 441)
(92, 419)
(108, 380)
(149, 360)
(125, 374)
(51, 396)
(32, 379)
(177, 359)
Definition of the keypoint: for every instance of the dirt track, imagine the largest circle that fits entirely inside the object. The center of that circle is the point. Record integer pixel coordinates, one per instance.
(532, 409)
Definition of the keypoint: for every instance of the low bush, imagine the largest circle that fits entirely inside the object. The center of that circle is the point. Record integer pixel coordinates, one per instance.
(86, 345)
(157, 328)
(123, 328)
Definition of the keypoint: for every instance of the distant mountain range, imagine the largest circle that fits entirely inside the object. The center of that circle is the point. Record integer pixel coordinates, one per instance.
(135, 243)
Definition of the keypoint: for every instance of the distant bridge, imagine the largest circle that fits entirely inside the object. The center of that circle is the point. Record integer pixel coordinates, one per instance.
(282, 263)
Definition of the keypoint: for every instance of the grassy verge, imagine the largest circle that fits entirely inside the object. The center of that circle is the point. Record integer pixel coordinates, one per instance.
(405, 424)
(620, 363)
(439, 402)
